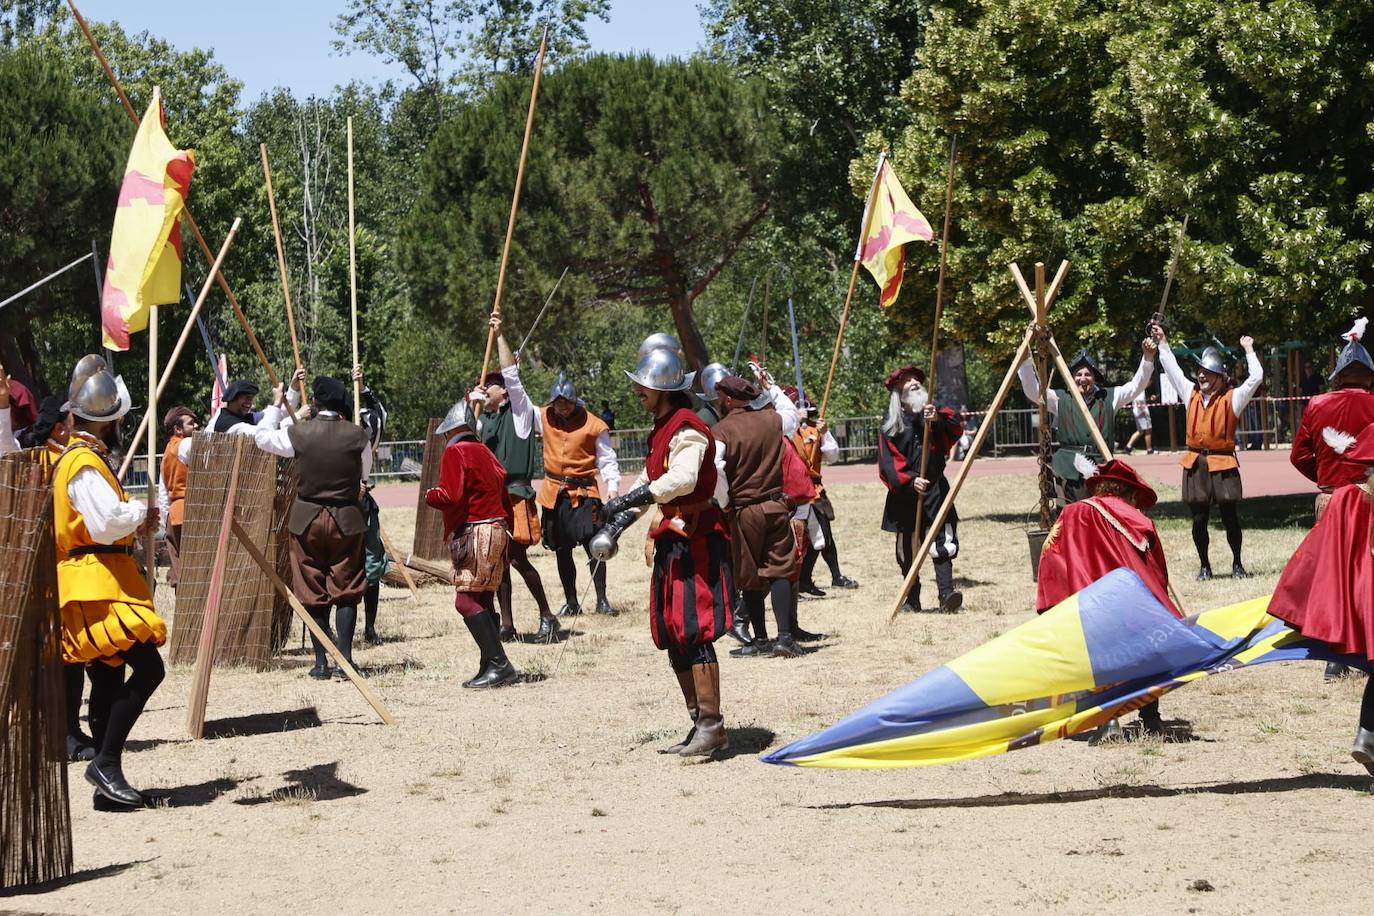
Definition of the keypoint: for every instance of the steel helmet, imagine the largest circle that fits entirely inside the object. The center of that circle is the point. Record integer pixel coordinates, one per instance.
(100, 396)
(708, 376)
(1211, 361)
(460, 414)
(660, 341)
(563, 388)
(661, 370)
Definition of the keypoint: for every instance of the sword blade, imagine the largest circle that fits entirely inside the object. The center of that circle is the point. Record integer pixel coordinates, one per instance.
(537, 318)
(1173, 266)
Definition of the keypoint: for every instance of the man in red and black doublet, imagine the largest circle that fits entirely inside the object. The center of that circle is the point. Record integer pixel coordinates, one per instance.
(899, 468)
(692, 586)
(472, 497)
(1326, 591)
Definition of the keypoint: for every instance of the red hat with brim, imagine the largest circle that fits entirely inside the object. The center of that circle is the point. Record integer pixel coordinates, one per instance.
(895, 377)
(1121, 472)
(1362, 451)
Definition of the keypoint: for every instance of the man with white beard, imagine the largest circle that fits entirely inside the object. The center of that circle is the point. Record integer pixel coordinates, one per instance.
(899, 466)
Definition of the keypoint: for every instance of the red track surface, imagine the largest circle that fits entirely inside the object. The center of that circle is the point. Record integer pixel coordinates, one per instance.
(1267, 473)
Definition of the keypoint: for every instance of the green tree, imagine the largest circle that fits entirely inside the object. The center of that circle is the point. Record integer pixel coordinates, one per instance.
(1089, 128)
(58, 178)
(644, 177)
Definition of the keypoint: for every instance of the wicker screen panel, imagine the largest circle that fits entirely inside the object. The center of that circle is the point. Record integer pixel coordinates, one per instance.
(429, 523)
(282, 616)
(247, 601)
(35, 818)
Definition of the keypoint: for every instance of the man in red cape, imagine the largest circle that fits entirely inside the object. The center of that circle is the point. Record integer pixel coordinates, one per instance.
(1326, 591)
(1106, 531)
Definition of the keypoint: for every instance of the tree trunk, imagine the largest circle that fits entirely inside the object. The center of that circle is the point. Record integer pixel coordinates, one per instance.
(685, 320)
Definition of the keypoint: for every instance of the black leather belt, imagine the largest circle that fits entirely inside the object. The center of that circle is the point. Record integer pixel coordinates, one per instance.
(1211, 451)
(126, 549)
(573, 481)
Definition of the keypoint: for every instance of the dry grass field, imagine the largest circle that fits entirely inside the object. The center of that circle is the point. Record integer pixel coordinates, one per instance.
(549, 796)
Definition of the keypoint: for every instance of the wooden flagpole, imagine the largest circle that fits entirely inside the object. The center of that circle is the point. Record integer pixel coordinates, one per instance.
(931, 386)
(515, 201)
(181, 343)
(853, 278)
(270, 571)
(209, 624)
(281, 268)
(190, 220)
(353, 281)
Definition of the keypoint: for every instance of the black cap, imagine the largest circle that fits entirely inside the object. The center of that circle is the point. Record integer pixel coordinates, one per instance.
(49, 415)
(330, 394)
(240, 387)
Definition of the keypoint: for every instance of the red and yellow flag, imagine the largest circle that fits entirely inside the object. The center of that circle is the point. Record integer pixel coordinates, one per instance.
(145, 249)
(892, 222)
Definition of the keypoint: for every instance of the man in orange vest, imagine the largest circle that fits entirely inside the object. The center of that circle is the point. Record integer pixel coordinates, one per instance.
(577, 448)
(1211, 474)
(171, 489)
(108, 621)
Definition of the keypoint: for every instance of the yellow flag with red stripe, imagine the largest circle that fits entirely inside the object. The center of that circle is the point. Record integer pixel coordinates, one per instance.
(892, 222)
(144, 267)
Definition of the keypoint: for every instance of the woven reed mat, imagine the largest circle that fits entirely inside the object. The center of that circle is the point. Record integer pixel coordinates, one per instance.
(249, 622)
(429, 523)
(35, 817)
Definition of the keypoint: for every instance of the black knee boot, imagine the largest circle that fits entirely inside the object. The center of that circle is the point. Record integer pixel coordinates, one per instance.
(79, 745)
(496, 668)
(321, 617)
(105, 772)
(950, 599)
(781, 594)
(370, 598)
(345, 622)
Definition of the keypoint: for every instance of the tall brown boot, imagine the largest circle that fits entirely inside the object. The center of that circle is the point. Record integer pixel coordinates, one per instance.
(709, 735)
(689, 693)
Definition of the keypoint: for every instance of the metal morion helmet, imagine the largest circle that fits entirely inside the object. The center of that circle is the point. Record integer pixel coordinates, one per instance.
(1211, 361)
(708, 376)
(660, 341)
(100, 396)
(563, 388)
(86, 367)
(460, 414)
(661, 370)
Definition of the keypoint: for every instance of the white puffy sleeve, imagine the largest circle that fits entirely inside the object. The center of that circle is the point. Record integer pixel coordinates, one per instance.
(107, 517)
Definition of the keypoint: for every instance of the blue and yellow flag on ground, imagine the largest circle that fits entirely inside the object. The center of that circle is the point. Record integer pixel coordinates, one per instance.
(1104, 652)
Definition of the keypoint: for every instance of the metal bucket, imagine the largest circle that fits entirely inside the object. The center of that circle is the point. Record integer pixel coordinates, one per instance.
(1036, 537)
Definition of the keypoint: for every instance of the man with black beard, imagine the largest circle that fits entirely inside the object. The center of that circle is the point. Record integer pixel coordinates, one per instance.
(909, 414)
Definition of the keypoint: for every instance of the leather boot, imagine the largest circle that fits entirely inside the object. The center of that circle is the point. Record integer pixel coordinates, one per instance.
(687, 682)
(1151, 722)
(1363, 751)
(740, 628)
(496, 668)
(950, 599)
(548, 631)
(709, 735)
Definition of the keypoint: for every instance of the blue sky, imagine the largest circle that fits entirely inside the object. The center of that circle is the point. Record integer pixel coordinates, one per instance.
(267, 43)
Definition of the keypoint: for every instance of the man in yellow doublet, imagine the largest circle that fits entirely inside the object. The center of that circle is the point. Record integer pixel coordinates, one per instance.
(108, 621)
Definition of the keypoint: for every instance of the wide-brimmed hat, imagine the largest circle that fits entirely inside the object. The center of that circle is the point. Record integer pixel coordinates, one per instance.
(894, 378)
(1121, 472)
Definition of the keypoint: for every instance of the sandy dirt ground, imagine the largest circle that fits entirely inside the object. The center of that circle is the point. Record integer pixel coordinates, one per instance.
(549, 796)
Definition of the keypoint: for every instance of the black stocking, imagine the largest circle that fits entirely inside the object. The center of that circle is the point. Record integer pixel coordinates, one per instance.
(567, 575)
(370, 598)
(1202, 513)
(74, 679)
(1367, 706)
(345, 622)
(753, 606)
(829, 551)
(809, 565)
(321, 617)
(1230, 520)
(780, 592)
(128, 697)
(598, 576)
